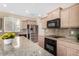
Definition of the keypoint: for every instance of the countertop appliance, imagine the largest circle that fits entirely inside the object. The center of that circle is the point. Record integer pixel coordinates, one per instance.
(55, 23)
(51, 46)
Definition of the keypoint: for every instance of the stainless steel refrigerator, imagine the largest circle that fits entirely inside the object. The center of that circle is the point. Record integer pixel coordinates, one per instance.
(32, 32)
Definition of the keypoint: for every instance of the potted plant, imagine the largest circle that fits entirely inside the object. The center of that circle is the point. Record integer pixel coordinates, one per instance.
(7, 39)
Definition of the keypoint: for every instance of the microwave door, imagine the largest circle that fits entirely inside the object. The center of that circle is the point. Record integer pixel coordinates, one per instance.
(52, 24)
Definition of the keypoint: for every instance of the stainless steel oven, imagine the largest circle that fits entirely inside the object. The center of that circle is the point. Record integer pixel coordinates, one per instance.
(55, 23)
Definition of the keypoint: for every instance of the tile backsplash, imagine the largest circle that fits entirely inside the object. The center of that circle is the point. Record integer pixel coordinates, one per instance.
(62, 32)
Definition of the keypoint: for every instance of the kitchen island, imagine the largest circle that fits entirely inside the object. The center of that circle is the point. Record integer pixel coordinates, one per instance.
(27, 48)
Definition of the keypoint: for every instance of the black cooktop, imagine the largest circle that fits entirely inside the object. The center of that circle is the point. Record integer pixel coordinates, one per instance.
(56, 36)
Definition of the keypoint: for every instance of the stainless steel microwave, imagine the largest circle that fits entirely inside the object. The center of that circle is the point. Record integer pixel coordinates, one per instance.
(55, 23)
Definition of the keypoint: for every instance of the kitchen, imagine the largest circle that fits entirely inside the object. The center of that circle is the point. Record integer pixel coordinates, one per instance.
(53, 34)
(60, 27)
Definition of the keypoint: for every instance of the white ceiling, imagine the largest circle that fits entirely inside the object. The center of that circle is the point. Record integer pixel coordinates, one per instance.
(31, 9)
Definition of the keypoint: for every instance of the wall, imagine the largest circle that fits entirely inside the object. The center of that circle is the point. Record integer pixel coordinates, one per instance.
(40, 30)
(62, 32)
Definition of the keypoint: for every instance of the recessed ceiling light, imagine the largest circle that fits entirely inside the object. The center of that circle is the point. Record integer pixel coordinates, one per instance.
(39, 15)
(4, 5)
(27, 11)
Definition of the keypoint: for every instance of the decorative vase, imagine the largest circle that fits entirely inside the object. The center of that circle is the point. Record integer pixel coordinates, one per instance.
(8, 41)
(8, 44)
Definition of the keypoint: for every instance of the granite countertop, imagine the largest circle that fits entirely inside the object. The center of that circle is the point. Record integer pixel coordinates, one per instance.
(67, 39)
(27, 48)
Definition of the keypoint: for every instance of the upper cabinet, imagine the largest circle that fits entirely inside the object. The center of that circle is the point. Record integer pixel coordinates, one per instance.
(70, 17)
(24, 23)
(54, 14)
(65, 18)
(74, 16)
(51, 15)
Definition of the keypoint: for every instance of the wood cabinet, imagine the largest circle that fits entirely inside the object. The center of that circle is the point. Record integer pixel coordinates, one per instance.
(65, 18)
(51, 15)
(74, 17)
(71, 51)
(41, 41)
(54, 14)
(61, 50)
(70, 17)
(25, 22)
(67, 49)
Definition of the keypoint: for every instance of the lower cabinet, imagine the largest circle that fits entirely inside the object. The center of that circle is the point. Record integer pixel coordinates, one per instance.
(61, 50)
(66, 49)
(71, 52)
(41, 41)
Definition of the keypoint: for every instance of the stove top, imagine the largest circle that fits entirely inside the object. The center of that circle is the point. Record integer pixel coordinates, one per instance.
(56, 36)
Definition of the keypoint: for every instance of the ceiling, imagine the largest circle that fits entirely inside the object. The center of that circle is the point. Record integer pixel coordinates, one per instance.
(31, 9)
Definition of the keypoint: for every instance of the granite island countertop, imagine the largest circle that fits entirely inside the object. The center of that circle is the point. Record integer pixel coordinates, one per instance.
(27, 48)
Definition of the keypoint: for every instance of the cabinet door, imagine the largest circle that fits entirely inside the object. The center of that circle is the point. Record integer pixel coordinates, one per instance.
(65, 18)
(74, 17)
(71, 52)
(65, 48)
(77, 52)
(61, 50)
(41, 41)
(55, 14)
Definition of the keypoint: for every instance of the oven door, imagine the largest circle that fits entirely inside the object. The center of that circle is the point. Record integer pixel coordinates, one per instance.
(51, 46)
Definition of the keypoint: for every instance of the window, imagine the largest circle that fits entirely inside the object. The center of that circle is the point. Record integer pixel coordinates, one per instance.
(11, 24)
(1, 24)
